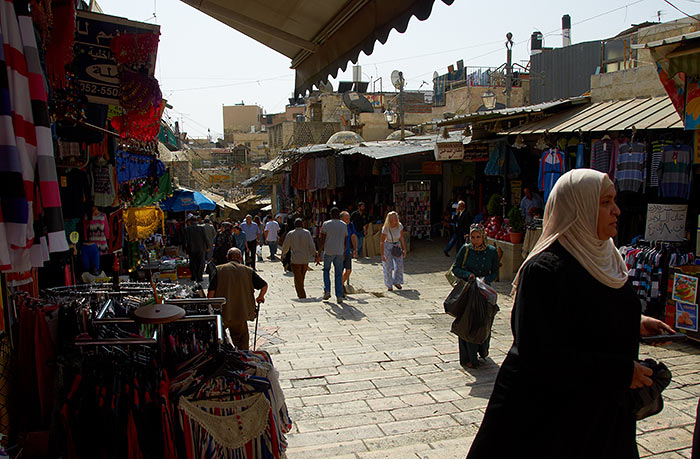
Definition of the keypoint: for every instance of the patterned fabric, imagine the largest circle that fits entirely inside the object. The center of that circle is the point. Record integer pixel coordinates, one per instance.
(97, 231)
(675, 171)
(657, 151)
(631, 171)
(27, 209)
(552, 166)
(602, 155)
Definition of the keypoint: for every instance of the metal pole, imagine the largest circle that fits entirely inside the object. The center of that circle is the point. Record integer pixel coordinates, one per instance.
(401, 109)
(509, 67)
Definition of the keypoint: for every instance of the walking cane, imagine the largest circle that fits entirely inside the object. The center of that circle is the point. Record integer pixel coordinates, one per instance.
(257, 318)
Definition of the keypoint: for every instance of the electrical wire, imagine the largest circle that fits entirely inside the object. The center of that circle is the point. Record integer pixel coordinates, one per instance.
(281, 77)
(681, 11)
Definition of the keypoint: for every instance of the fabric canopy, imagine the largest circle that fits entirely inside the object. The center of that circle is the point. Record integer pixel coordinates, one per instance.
(319, 36)
(184, 200)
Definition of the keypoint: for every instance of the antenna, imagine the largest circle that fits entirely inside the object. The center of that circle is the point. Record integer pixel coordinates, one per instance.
(397, 79)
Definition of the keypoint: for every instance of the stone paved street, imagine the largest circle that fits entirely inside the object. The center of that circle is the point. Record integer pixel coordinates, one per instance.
(379, 375)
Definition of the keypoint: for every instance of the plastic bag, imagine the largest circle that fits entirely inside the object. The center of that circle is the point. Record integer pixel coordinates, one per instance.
(455, 301)
(474, 324)
(487, 291)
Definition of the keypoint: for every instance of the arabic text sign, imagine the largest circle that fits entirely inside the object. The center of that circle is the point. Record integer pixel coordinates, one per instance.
(95, 66)
(445, 151)
(665, 222)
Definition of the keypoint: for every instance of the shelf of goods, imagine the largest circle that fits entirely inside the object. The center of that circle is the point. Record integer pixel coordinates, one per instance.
(413, 205)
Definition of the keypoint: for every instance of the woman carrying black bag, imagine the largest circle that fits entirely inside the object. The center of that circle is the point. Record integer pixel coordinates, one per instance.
(564, 389)
(481, 261)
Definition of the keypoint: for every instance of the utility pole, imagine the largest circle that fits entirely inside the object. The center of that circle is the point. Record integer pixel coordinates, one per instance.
(401, 105)
(509, 67)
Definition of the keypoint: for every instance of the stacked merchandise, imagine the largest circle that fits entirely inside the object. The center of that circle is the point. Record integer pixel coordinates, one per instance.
(413, 207)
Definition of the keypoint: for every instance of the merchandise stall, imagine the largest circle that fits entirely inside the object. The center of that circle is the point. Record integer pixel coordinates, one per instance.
(108, 369)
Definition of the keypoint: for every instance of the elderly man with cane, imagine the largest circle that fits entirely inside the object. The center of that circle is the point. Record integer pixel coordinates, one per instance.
(237, 283)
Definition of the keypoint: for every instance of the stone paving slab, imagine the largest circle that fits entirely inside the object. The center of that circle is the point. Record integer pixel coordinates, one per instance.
(378, 376)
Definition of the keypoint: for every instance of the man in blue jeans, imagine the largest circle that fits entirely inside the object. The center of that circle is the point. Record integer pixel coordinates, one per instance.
(359, 221)
(332, 242)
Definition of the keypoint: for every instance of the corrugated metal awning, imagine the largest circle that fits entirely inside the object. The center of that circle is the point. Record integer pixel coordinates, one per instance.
(319, 36)
(617, 115)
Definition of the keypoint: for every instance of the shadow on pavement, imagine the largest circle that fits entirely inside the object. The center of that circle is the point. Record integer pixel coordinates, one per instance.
(345, 311)
(408, 294)
(484, 376)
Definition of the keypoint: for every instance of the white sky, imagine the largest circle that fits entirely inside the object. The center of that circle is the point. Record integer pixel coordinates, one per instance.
(204, 64)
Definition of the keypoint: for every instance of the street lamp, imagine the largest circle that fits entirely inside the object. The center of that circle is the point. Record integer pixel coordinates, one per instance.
(489, 99)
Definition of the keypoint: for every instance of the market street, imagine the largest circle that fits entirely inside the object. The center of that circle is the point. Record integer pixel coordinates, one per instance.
(379, 376)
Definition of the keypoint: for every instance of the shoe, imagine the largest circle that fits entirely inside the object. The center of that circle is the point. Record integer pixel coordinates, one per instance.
(326, 295)
(390, 289)
(485, 355)
(446, 253)
(398, 286)
(340, 300)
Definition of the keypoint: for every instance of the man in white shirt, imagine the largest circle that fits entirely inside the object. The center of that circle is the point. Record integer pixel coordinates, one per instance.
(272, 229)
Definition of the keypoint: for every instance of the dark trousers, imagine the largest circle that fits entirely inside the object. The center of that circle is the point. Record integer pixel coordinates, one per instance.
(457, 240)
(250, 253)
(299, 276)
(468, 352)
(239, 334)
(197, 266)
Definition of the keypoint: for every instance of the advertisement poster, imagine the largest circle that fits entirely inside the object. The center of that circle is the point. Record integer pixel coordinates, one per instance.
(685, 288)
(687, 316)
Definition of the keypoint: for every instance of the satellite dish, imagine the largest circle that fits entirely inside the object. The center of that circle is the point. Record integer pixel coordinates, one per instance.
(397, 79)
(357, 103)
(325, 87)
(435, 76)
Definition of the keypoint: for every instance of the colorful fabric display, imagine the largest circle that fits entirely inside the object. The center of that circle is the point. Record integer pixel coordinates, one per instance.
(552, 166)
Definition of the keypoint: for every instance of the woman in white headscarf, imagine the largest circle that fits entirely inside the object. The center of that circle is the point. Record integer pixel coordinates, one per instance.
(576, 324)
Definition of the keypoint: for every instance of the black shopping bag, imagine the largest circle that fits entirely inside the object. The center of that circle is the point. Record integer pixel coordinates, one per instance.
(455, 301)
(474, 324)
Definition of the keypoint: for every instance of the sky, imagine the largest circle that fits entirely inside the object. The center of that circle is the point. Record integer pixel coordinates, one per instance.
(204, 64)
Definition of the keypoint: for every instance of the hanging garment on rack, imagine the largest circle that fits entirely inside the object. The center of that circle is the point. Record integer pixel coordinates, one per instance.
(142, 222)
(657, 151)
(28, 149)
(602, 156)
(552, 166)
(321, 173)
(498, 158)
(580, 156)
(676, 171)
(339, 171)
(332, 177)
(311, 174)
(631, 170)
(103, 190)
(97, 232)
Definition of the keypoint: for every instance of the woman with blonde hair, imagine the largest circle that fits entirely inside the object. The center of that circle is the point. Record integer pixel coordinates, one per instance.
(393, 251)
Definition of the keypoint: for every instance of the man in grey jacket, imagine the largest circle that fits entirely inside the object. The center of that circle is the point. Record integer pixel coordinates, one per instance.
(301, 244)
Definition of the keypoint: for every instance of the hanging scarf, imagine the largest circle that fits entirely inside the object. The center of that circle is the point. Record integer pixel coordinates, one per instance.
(571, 217)
(142, 222)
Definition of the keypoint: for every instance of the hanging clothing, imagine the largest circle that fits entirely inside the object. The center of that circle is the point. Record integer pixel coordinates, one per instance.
(75, 194)
(657, 151)
(675, 171)
(310, 174)
(580, 156)
(28, 150)
(131, 166)
(321, 173)
(552, 166)
(332, 177)
(103, 189)
(142, 222)
(339, 171)
(631, 169)
(602, 155)
(497, 162)
(97, 232)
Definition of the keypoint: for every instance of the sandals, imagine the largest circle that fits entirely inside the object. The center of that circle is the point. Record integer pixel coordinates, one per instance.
(398, 286)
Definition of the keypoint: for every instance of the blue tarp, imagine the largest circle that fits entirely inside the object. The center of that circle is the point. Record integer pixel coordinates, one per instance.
(184, 200)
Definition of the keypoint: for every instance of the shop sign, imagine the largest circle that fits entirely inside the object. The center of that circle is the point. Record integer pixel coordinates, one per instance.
(95, 67)
(431, 168)
(478, 152)
(447, 151)
(214, 179)
(665, 222)
(686, 316)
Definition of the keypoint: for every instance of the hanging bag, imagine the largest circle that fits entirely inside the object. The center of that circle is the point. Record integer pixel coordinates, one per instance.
(475, 322)
(449, 275)
(395, 249)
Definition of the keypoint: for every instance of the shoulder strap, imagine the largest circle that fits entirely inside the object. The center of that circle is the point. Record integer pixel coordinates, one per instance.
(466, 254)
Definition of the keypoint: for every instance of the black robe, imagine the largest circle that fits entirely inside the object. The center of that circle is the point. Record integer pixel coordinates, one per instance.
(562, 389)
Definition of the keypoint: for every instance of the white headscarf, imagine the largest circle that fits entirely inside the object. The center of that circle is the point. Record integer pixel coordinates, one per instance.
(571, 217)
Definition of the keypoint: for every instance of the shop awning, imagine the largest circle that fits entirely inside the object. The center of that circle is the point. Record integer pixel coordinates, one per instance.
(220, 200)
(185, 199)
(617, 115)
(319, 36)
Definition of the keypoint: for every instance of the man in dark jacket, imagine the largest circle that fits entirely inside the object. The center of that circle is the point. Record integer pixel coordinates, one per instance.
(196, 245)
(223, 241)
(462, 220)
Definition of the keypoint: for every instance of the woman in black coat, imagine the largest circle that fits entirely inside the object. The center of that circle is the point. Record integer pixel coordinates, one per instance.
(561, 391)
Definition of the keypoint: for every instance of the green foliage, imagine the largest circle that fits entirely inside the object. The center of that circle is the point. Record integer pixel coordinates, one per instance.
(494, 205)
(516, 221)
